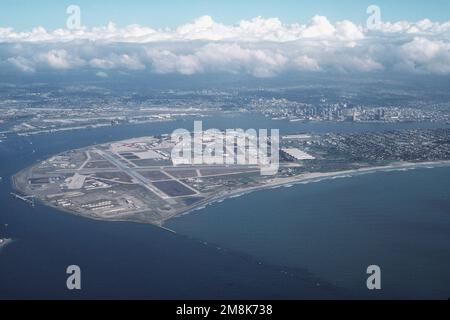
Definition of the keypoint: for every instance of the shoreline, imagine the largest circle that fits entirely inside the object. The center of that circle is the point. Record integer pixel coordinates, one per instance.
(276, 183)
(309, 178)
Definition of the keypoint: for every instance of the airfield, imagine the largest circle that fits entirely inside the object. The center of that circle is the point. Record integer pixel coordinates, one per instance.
(141, 180)
(134, 180)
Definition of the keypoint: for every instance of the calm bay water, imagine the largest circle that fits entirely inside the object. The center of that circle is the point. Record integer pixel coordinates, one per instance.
(309, 241)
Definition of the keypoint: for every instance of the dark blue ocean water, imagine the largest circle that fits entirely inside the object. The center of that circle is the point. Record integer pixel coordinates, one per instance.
(309, 241)
(399, 221)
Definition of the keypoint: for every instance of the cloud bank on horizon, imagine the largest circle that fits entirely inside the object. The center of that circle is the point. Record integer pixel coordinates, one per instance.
(259, 47)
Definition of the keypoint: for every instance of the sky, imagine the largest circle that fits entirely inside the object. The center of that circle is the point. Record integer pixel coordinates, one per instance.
(261, 38)
(23, 15)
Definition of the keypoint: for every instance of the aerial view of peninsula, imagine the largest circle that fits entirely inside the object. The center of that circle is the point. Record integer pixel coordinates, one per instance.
(201, 152)
(138, 180)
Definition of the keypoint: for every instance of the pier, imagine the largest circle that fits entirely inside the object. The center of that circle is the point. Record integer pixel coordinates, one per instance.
(27, 199)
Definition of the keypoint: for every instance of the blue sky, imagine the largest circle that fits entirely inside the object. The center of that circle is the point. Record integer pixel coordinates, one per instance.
(26, 14)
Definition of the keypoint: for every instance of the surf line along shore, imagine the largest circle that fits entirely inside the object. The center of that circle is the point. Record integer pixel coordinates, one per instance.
(307, 178)
(269, 184)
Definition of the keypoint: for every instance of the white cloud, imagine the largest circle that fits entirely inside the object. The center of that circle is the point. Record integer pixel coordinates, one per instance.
(116, 61)
(22, 64)
(304, 62)
(203, 28)
(320, 27)
(424, 27)
(426, 56)
(219, 57)
(235, 58)
(60, 59)
(346, 30)
(259, 47)
(102, 74)
(102, 63)
(164, 61)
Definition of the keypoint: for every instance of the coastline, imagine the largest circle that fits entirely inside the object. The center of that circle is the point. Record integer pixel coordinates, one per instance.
(309, 178)
(272, 184)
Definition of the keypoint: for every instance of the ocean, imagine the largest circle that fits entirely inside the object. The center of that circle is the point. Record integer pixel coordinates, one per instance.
(308, 241)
